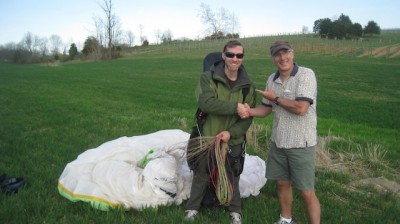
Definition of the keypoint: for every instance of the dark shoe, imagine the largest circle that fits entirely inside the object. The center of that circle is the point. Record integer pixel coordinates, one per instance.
(2, 178)
(11, 185)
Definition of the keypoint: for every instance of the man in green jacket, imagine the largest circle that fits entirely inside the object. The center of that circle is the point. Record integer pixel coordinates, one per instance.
(219, 94)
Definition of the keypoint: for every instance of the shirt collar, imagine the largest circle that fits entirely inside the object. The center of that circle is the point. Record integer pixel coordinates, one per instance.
(294, 72)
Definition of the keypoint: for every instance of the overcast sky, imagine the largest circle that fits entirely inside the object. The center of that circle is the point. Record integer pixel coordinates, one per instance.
(72, 20)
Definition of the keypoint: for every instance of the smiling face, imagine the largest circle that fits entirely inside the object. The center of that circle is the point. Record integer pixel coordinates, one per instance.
(232, 58)
(283, 60)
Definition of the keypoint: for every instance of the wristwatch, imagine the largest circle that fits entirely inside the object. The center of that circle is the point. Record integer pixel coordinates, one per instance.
(276, 100)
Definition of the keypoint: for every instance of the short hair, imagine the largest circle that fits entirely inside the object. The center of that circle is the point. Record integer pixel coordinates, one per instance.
(232, 43)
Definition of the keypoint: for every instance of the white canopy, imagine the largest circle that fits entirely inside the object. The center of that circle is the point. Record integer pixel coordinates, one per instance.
(109, 176)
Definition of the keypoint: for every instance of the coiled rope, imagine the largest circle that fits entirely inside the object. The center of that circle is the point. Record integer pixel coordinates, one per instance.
(223, 187)
(216, 151)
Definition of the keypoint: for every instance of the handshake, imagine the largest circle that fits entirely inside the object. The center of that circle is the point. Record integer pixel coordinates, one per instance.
(244, 110)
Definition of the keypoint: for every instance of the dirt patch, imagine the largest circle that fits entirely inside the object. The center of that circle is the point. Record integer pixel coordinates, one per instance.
(381, 184)
(51, 63)
(389, 51)
(360, 163)
(350, 163)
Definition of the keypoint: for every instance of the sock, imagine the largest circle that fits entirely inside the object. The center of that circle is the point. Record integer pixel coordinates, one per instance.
(286, 220)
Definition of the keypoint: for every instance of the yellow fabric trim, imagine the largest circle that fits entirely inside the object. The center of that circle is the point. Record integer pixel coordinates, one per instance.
(99, 203)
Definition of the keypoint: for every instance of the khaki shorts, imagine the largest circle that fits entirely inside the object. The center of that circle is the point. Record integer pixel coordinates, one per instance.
(296, 165)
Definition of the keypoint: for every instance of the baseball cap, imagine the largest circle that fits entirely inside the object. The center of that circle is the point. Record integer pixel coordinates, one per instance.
(279, 45)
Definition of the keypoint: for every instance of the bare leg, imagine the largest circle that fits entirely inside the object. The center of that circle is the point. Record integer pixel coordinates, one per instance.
(312, 205)
(285, 196)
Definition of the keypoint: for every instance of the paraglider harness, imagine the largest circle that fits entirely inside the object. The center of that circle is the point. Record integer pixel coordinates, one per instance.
(236, 162)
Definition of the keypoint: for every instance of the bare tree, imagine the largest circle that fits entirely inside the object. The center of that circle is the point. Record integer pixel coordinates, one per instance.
(111, 26)
(99, 30)
(142, 38)
(27, 42)
(233, 23)
(39, 46)
(218, 22)
(208, 17)
(304, 30)
(55, 42)
(36, 44)
(118, 36)
(157, 34)
(166, 36)
(130, 37)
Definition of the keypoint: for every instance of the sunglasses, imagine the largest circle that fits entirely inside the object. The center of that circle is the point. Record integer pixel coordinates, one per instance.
(231, 55)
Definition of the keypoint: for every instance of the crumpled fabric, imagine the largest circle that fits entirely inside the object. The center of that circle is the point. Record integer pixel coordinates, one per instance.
(108, 176)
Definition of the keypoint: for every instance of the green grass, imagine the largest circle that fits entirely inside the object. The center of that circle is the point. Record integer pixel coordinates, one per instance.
(51, 114)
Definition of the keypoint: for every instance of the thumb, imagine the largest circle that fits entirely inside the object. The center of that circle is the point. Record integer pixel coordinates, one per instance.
(260, 92)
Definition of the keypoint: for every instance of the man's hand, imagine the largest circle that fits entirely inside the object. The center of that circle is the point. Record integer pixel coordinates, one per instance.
(224, 136)
(243, 110)
(267, 94)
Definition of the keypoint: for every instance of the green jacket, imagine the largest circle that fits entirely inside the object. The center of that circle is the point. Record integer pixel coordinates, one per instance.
(219, 101)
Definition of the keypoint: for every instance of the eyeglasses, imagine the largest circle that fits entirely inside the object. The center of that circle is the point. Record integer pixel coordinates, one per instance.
(282, 53)
(231, 55)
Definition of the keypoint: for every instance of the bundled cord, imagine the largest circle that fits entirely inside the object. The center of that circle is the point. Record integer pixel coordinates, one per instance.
(216, 151)
(219, 176)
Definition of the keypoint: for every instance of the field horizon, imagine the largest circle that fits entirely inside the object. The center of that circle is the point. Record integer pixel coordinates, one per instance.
(53, 112)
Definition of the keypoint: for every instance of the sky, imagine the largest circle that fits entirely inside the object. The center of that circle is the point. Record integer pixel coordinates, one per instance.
(73, 20)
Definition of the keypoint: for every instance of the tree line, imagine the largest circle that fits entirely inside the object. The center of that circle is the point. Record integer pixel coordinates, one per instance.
(108, 39)
(343, 28)
(220, 23)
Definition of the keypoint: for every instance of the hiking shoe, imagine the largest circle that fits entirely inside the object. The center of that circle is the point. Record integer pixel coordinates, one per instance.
(190, 214)
(11, 185)
(280, 221)
(236, 218)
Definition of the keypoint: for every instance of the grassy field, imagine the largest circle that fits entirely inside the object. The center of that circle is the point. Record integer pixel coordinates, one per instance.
(51, 113)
